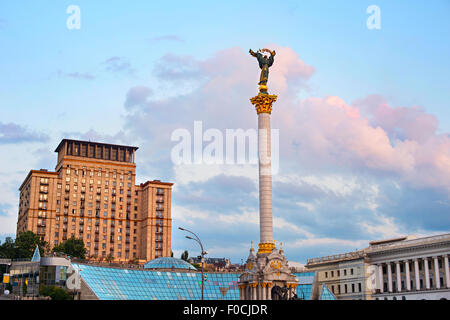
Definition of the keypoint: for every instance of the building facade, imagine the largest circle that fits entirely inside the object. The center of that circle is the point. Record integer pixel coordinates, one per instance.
(411, 268)
(92, 195)
(406, 268)
(344, 274)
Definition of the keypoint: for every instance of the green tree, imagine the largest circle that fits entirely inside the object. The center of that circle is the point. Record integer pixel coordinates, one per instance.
(26, 243)
(7, 249)
(56, 293)
(185, 255)
(72, 247)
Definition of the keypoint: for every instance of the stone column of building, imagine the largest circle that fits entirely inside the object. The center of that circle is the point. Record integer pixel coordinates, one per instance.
(447, 272)
(263, 291)
(258, 292)
(242, 291)
(389, 270)
(399, 276)
(408, 276)
(437, 277)
(427, 273)
(269, 291)
(380, 278)
(416, 273)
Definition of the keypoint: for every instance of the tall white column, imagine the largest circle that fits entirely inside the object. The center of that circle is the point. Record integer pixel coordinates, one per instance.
(427, 273)
(380, 278)
(408, 277)
(263, 288)
(437, 277)
(389, 270)
(447, 271)
(399, 278)
(265, 178)
(416, 273)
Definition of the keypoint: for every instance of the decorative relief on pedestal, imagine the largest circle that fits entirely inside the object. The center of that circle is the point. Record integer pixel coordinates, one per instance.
(276, 264)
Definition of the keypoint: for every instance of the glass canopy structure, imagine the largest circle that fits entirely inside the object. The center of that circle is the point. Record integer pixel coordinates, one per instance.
(182, 283)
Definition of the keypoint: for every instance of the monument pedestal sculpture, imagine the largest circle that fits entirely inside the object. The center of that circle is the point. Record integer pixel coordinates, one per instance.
(267, 275)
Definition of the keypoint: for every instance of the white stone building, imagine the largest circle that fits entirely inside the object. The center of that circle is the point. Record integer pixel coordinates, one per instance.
(410, 268)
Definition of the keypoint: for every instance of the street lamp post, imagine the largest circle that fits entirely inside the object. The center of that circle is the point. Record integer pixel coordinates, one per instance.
(203, 252)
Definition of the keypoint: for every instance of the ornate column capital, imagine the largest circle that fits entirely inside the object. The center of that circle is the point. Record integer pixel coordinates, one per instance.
(263, 102)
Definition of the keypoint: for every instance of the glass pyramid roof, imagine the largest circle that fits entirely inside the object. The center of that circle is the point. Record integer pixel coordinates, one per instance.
(326, 294)
(36, 255)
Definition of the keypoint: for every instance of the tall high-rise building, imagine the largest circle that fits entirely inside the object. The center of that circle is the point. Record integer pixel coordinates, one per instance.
(92, 195)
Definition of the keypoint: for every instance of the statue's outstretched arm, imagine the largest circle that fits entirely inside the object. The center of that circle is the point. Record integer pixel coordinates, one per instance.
(252, 53)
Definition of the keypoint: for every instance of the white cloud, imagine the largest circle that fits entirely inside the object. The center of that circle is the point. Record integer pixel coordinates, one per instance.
(313, 242)
(308, 206)
(385, 227)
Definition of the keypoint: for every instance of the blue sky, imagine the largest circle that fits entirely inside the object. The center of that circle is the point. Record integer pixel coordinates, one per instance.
(58, 83)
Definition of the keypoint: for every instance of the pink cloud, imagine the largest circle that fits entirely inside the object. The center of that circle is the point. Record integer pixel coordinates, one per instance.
(331, 132)
(400, 122)
(367, 134)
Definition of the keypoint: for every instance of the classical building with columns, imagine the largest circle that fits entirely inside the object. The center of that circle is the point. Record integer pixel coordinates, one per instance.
(406, 268)
(410, 268)
(347, 275)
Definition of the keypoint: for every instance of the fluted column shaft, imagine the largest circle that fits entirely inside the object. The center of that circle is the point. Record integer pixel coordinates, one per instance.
(436, 273)
(416, 273)
(447, 272)
(399, 278)
(408, 276)
(380, 278)
(427, 273)
(389, 270)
